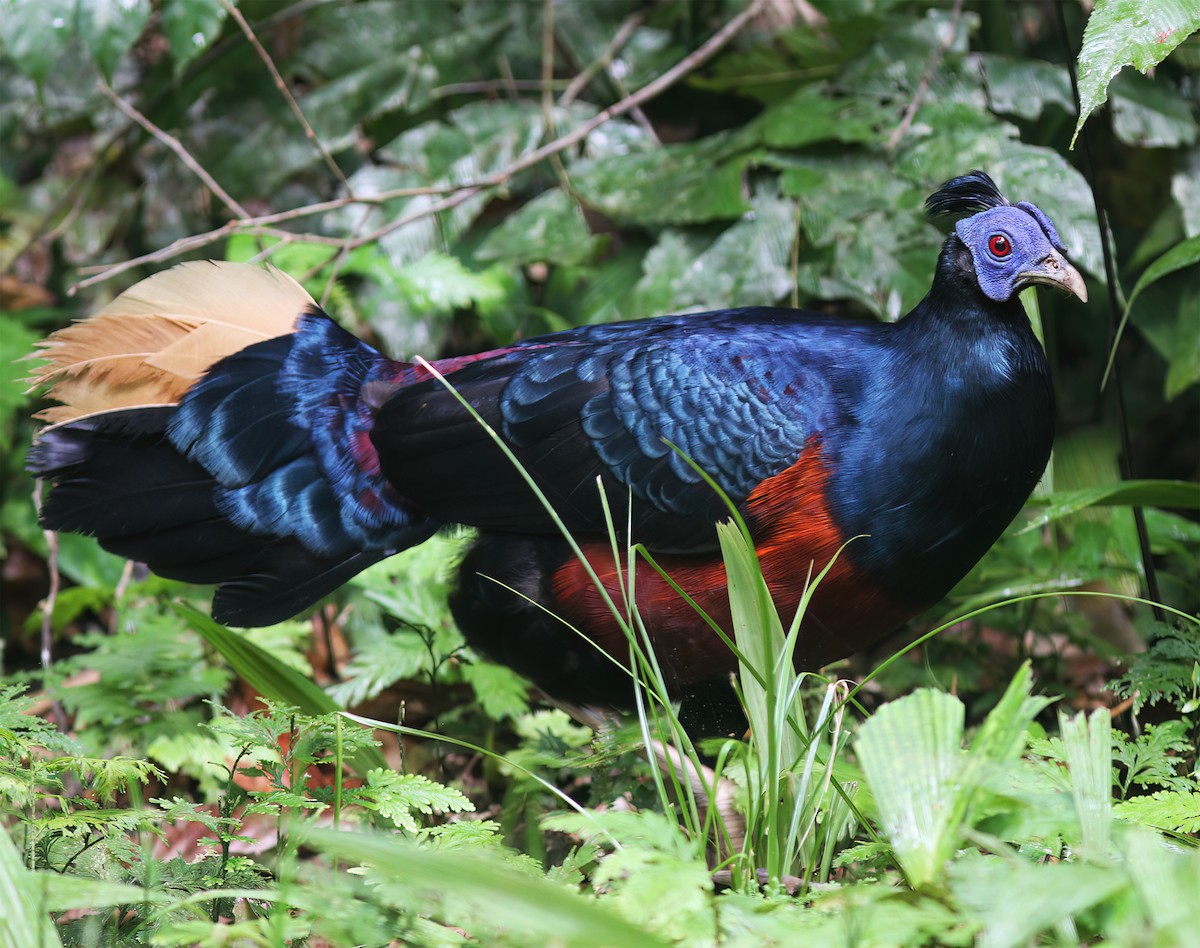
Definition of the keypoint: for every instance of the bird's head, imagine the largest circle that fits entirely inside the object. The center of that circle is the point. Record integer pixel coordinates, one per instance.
(1013, 246)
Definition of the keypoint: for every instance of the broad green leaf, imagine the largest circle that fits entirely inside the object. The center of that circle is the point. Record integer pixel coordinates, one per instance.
(749, 261)
(1150, 113)
(866, 236)
(542, 911)
(912, 758)
(549, 229)
(190, 27)
(1025, 87)
(897, 63)
(1017, 900)
(1186, 253)
(64, 892)
(1120, 33)
(1181, 494)
(1167, 879)
(678, 184)
(808, 116)
(24, 916)
(36, 34)
(769, 71)
(1185, 189)
(109, 27)
(1088, 745)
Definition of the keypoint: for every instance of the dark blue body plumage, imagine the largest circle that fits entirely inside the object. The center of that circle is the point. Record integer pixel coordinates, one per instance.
(302, 459)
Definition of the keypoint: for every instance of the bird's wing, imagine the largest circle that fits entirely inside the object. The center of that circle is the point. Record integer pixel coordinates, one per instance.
(736, 392)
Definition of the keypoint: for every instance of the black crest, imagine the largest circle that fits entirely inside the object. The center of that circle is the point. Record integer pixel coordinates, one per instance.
(966, 194)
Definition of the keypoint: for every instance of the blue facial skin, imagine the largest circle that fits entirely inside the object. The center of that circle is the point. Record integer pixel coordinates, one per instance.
(1014, 247)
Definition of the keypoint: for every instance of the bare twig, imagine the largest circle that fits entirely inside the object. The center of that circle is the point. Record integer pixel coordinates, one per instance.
(456, 193)
(923, 86)
(286, 92)
(604, 63)
(644, 94)
(547, 61)
(604, 60)
(494, 85)
(176, 146)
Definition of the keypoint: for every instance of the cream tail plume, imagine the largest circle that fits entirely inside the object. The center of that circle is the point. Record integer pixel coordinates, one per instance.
(149, 346)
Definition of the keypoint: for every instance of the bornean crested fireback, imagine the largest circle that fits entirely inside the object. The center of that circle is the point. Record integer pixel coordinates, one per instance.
(219, 427)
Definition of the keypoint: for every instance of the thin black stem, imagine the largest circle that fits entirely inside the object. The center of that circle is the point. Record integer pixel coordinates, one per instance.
(1110, 273)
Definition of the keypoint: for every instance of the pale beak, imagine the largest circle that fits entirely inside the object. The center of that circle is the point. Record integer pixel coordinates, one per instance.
(1056, 271)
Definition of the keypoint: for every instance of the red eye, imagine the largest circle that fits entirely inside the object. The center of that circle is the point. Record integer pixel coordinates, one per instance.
(999, 246)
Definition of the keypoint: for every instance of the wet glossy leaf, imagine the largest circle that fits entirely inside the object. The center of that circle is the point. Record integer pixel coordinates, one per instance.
(1185, 189)
(680, 184)
(190, 27)
(1025, 87)
(1178, 494)
(810, 116)
(1120, 33)
(549, 229)
(746, 265)
(109, 27)
(1150, 114)
(36, 35)
(896, 64)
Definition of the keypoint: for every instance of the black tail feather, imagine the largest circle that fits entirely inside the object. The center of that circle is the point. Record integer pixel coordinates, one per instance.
(117, 477)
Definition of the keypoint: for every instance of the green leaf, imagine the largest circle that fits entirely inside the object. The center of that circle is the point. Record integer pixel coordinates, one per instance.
(1150, 113)
(15, 343)
(870, 241)
(759, 633)
(1181, 494)
(1174, 811)
(190, 27)
(64, 893)
(24, 915)
(808, 117)
(748, 260)
(1087, 743)
(109, 27)
(1016, 900)
(1166, 671)
(1183, 255)
(1120, 33)
(395, 796)
(543, 912)
(1025, 87)
(1152, 757)
(1167, 881)
(500, 691)
(678, 184)
(549, 229)
(1185, 189)
(270, 677)
(37, 34)
(911, 755)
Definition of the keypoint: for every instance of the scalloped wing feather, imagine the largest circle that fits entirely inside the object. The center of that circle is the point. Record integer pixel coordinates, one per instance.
(149, 345)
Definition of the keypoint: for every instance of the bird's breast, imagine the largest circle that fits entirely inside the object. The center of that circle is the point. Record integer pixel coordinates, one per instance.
(795, 536)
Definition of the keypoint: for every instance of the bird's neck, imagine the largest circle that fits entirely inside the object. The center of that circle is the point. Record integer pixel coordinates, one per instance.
(960, 332)
(965, 423)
